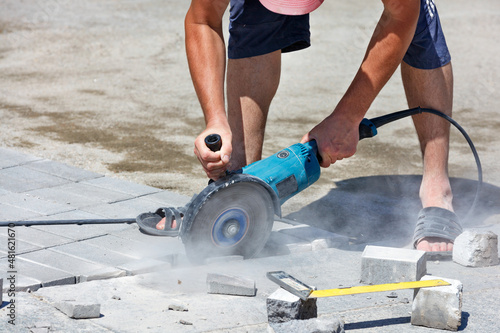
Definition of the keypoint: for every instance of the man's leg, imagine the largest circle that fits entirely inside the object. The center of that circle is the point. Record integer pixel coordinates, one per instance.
(251, 86)
(432, 89)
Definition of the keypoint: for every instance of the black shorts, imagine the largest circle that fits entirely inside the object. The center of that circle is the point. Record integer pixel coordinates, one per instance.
(254, 30)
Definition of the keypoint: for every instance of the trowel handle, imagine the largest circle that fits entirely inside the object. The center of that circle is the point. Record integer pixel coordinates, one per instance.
(213, 142)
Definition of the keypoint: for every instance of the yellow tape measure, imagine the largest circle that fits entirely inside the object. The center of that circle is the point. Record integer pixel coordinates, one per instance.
(378, 288)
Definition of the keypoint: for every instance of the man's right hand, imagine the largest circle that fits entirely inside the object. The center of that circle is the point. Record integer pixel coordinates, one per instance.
(216, 163)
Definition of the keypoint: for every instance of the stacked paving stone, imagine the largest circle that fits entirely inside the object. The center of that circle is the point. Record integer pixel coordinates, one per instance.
(474, 248)
(438, 307)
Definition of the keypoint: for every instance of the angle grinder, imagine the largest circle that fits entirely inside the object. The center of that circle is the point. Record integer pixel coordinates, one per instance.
(234, 215)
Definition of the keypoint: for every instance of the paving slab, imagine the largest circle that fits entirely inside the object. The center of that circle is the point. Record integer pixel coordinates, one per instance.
(21, 178)
(63, 262)
(63, 170)
(11, 213)
(121, 185)
(11, 158)
(89, 252)
(35, 204)
(39, 237)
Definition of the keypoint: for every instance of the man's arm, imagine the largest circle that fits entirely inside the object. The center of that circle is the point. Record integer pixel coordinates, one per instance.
(337, 135)
(206, 56)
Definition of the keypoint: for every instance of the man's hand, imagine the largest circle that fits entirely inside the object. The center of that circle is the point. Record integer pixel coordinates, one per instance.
(216, 163)
(337, 138)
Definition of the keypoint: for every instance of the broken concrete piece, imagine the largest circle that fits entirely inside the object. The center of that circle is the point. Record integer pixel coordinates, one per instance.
(438, 307)
(323, 325)
(474, 248)
(230, 285)
(79, 310)
(177, 307)
(283, 306)
(1, 291)
(387, 264)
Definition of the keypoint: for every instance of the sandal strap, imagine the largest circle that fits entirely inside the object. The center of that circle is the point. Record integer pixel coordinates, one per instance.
(436, 222)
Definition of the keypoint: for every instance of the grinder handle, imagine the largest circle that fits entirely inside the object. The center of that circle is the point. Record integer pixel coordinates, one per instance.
(213, 142)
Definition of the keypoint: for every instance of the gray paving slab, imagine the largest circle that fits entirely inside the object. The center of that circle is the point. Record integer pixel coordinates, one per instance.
(168, 198)
(35, 203)
(11, 213)
(11, 158)
(89, 252)
(20, 283)
(62, 170)
(63, 262)
(68, 196)
(21, 246)
(162, 245)
(104, 195)
(128, 247)
(121, 185)
(48, 276)
(129, 208)
(21, 179)
(39, 237)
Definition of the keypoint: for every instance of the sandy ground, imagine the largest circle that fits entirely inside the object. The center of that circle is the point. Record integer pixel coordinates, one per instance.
(104, 85)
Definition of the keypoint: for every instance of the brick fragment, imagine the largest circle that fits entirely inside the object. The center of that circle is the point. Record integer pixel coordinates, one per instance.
(474, 248)
(386, 265)
(79, 310)
(284, 306)
(230, 285)
(438, 307)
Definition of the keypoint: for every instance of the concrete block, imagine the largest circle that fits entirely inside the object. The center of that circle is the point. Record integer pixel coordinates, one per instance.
(1, 291)
(79, 310)
(230, 285)
(386, 264)
(438, 307)
(474, 248)
(284, 306)
(316, 325)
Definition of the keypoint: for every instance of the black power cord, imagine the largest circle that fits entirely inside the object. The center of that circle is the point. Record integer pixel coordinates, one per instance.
(368, 128)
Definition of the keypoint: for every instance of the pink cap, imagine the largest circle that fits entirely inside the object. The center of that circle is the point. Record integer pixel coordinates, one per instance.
(291, 7)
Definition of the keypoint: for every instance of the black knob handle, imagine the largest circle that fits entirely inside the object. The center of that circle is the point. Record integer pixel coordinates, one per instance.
(213, 142)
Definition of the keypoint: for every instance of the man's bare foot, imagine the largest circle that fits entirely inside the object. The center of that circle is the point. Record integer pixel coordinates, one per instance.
(161, 225)
(434, 244)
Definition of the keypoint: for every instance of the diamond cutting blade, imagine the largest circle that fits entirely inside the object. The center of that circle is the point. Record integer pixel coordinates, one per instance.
(236, 220)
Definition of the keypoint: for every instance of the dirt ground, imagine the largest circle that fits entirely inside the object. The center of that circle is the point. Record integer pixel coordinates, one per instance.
(104, 86)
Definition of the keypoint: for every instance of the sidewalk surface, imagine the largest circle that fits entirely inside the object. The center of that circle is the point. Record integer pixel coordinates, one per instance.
(96, 101)
(135, 278)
